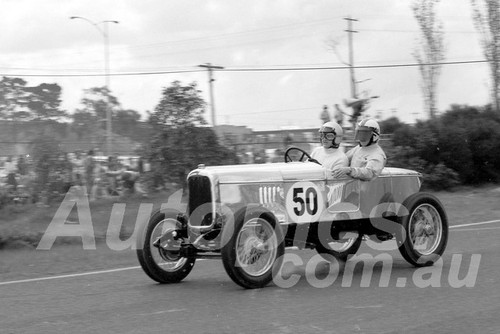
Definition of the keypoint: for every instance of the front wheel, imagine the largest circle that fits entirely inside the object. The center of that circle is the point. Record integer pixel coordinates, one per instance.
(424, 234)
(160, 255)
(253, 249)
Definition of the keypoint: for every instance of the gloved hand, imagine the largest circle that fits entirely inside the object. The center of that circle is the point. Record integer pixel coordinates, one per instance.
(314, 160)
(341, 172)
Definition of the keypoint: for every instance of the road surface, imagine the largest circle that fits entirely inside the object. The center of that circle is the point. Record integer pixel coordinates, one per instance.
(123, 299)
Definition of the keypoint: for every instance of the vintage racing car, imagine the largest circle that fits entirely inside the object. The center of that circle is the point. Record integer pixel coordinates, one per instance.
(248, 214)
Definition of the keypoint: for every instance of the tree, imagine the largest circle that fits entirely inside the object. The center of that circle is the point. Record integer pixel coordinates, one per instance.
(486, 17)
(97, 101)
(180, 144)
(125, 121)
(431, 51)
(180, 106)
(390, 125)
(21, 102)
(13, 99)
(176, 151)
(44, 101)
(84, 123)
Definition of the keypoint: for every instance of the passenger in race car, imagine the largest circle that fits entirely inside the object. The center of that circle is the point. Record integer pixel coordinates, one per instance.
(328, 154)
(367, 159)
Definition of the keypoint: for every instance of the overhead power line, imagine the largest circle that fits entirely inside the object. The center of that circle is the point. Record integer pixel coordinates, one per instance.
(250, 69)
(347, 67)
(99, 74)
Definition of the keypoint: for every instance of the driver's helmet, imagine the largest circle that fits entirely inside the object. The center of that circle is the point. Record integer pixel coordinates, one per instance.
(333, 132)
(367, 130)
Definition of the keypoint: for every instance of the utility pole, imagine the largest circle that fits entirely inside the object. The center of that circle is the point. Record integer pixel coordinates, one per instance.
(104, 32)
(210, 69)
(349, 30)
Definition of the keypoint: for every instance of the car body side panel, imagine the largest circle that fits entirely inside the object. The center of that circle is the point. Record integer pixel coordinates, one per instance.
(303, 192)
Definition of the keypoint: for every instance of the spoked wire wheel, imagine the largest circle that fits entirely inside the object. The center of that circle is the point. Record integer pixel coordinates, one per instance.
(253, 249)
(159, 255)
(166, 251)
(256, 247)
(424, 230)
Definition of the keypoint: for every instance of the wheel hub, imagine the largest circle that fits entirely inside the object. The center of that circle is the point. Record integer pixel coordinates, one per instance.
(429, 229)
(168, 246)
(254, 248)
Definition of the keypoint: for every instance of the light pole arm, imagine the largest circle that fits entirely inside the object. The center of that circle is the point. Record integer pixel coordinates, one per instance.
(96, 25)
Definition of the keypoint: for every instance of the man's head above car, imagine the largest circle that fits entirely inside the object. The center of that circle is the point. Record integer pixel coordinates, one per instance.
(330, 135)
(367, 132)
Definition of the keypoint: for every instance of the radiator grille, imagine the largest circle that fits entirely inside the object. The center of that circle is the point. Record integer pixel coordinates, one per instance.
(199, 194)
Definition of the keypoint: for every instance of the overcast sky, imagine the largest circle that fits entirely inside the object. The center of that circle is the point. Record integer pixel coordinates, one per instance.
(158, 37)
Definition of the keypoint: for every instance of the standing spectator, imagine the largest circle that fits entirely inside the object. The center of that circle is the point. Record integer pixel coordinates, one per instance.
(98, 190)
(140, 165)
(325, 115)
(67, 172)
(11, 170)
(77, 162)
(113, 172)
(60, 175)
(22, 165)
(89, 165)
(129, 177)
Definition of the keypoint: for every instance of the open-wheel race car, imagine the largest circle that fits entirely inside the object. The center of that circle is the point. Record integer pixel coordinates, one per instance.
(248, 214)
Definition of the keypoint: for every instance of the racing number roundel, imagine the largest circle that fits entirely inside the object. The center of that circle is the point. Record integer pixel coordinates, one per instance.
(304, 202)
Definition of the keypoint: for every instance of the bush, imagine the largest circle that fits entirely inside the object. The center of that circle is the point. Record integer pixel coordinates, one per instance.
(440, 177)
(459, 147)
(436, 176)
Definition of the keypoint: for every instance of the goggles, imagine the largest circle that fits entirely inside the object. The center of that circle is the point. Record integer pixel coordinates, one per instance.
(327, 135)
(363, 134)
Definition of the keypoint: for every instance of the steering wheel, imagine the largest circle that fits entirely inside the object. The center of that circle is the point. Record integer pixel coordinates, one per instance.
(288, 155)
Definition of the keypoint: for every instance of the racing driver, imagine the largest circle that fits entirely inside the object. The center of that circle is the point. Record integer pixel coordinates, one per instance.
(367, 159)
(328, 154)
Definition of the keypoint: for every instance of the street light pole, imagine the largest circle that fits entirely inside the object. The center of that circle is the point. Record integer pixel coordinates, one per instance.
(105, 35)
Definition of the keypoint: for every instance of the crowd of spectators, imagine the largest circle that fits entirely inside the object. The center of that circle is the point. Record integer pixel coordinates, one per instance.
(23, 180)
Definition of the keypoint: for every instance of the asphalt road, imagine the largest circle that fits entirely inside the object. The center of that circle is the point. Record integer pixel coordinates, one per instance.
(207, 301)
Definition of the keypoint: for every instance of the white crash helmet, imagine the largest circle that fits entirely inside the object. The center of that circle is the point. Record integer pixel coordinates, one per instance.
(332, 131)
(367, 130)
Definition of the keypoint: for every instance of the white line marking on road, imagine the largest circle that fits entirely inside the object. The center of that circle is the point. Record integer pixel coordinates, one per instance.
(69, 275)
(73, 275)
(477, 229)
(368, 306)
(474, 224)
(166, 311)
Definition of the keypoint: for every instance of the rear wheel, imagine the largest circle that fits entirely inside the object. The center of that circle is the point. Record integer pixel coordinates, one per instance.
(424, 235)
(253, 249)
(160, 255)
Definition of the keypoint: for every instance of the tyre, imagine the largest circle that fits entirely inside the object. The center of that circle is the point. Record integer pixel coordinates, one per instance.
(160, 258)
(424, 233)
(253, 249)
(347, 244)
